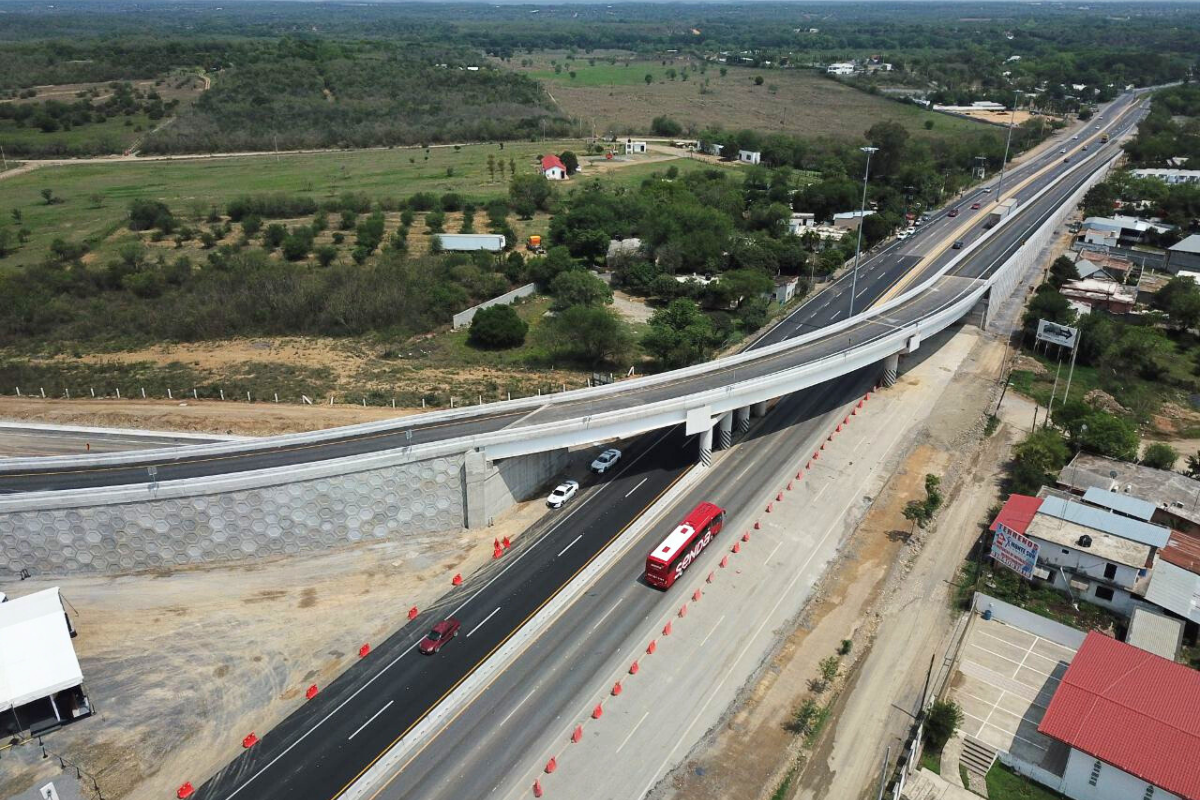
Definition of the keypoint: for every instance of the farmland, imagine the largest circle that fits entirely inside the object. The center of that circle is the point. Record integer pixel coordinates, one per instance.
(615, 97)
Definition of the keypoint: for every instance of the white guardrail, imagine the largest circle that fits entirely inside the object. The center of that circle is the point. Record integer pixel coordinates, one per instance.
(650, 415)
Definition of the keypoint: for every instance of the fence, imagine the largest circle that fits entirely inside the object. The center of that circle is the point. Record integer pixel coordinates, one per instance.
(463, 318)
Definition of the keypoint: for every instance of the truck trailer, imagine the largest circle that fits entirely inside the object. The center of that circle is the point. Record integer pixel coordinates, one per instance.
(465, 242)
(1003, 209)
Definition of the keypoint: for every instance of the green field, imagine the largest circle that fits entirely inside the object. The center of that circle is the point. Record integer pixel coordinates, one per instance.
(603, 74)
(112, 135)
(96, 196)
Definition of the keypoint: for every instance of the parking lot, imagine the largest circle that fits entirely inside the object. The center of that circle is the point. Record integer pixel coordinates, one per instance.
(1005, 679)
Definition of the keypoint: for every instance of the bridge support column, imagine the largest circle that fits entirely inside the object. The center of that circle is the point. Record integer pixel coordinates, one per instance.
(706, 444)
(891, 366)
(475, 473)
(741, 417)
(725, 431)
(759, 409)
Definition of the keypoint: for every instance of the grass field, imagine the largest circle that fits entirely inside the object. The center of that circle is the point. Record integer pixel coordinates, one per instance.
(96, 196)
(112, 135)
(617, 99)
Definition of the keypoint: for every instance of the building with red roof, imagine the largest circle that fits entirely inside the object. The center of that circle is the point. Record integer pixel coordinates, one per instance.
(1132, 722)
(553, 168)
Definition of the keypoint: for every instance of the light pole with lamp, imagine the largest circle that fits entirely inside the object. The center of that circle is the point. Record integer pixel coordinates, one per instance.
(862, 213)
(1011, 124)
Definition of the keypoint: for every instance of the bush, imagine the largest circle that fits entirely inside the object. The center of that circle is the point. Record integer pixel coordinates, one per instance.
(271, 206)
(452, 201)
(497, 327)
(943, 720)
(1160, 456)
(665, 126)
(147, 214)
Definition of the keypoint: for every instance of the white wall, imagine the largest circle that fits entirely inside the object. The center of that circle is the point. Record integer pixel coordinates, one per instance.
(1113, 784)
(1082, 561)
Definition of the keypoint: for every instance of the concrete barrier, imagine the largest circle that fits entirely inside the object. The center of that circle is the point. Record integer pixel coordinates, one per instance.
(1028, 621)
(463, 318)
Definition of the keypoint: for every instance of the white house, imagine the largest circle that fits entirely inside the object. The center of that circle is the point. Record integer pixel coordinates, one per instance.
(1131, 721)
(1094, 553)
(841, 68)
(634, 148)
(800, 221)
(553, 168)
(749, 156)
(1171, 177)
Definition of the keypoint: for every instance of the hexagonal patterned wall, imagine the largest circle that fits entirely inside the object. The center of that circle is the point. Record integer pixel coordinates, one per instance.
(420, 497)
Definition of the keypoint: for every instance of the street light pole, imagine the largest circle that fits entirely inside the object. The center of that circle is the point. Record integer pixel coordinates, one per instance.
(862, 213)
(1011, 124)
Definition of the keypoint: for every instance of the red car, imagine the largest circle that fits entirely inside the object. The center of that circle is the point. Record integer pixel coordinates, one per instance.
(976, 205)
(438, 635)
(952, 213)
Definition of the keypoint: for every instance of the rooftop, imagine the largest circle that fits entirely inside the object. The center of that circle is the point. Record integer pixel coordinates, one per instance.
(1105, 521)
(1104, 545)
(1132, 709)
(1018, 511)
(1169, 491)
(1097, 289)
(1189, 245)
(1154, 632)
(1121, 503)
(1183, 550)
(37, 658)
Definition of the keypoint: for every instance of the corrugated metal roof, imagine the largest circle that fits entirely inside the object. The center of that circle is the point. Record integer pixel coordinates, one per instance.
(1189, 245)
(1129, 506)
(1183, 551)
(1155, 633)
(1132, 709)
(1019, 510)
(1175, 589)
(1106, 521)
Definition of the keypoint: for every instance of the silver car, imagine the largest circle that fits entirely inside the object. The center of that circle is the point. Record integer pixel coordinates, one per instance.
(606, 460)
(562, 493)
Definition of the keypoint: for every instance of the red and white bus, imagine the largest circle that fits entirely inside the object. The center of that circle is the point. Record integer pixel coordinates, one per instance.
(677, 552)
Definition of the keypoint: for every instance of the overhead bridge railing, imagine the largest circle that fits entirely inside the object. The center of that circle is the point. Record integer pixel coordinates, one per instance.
(580, 396)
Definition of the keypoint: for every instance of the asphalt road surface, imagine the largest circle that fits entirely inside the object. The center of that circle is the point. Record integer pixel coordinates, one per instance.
(877, 276)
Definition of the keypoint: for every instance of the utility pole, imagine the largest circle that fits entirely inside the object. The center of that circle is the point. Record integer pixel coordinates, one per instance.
(1008, 142)
(862, 215)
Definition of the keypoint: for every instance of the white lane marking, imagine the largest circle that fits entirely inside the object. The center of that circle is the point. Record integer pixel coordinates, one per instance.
(818, 497)
(568, 547)
(632, 732)
(606, 613)
(480, 591)
(773, 552)
(835, 316)
(714, 628)
(372, 719)
(524, 417)
(508, 716)
(634, 489)
(489, 616)
(860, 444)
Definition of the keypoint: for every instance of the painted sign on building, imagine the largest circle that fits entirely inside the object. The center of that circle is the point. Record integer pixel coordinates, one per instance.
(1018, 553)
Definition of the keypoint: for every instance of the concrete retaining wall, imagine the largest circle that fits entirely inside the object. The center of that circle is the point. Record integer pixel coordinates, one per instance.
(1028, 621)
(464, 318)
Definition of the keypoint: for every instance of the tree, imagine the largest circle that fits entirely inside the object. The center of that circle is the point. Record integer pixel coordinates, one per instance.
(1180, 299)
(147, 214)
(528, 193)
(1193, 466)
(592, 334)
(49, 198)
(274, 235)
(680, 334)
(1037, 460)
(892, 139)
(758, 80)
(1160, 456)
(1108, 435)
(739, 285)
(1062, 269)
(579, 287)
(326, 254)
(942, 721)
(497, 327)
(649, 79)
(570, 161)
(665, 126)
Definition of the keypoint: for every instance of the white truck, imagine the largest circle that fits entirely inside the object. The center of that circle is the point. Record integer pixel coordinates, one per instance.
(466, 242)
(1003, 209)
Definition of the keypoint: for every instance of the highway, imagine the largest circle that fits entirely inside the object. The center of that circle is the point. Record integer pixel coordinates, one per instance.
(880, 276)
(324, 746)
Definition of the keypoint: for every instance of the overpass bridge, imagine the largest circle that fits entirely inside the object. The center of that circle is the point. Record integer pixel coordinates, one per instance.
(450, 469)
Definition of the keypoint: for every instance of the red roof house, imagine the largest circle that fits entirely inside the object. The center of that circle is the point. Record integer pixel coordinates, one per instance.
(1133, 710)
(1019, 510)
(553, 168)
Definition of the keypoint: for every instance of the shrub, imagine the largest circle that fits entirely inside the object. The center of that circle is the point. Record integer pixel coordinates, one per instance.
(497, 327)
(147, 214)
(1160, 456)
(452, 201)
(943, 720)
(665, 126)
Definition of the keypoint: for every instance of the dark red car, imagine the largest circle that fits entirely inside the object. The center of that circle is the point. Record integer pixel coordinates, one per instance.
(976, 205)
(438, 635)
(952, 213)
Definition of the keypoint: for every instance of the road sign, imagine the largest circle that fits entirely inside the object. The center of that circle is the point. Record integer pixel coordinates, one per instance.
(1018, 553)
(1054, 333)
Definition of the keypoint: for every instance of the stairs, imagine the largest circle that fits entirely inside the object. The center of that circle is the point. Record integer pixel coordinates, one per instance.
(977, 758)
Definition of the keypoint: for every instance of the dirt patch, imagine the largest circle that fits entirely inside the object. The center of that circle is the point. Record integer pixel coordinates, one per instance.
(1101, 399)
(633, 309)
(1026, 363)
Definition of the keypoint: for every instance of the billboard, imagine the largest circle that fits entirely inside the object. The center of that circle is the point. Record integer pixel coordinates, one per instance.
(1054, 333)
(1018, 553)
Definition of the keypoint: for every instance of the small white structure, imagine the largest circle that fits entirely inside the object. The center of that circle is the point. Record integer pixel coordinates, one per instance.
(622, 251)
(41, 685)
(1171, 177)
(848, 220)
(633, 148)
(749, 156)
(840, 68)
(800, 221)
(553, 168)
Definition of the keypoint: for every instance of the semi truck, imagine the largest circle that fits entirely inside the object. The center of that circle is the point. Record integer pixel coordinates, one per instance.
(1003, 209)
(465, 242)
